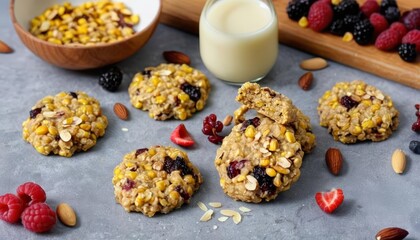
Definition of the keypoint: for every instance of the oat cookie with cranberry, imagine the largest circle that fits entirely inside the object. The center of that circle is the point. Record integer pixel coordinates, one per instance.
(63, 124)
(259, 159)
(169, 91)
(154, 180)
(355, 111)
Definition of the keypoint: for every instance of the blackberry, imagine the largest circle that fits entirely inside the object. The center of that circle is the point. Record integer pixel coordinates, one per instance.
(298, 8)
(346, 7)
(265, 181)
(177, 164)
(415, 146)
(363, 32)
(34, 112)
(348, 102)
(234, 168)
(192, 91)
(349, 21)
(111, 79)
(392, 14)
(386, 4)
(337, 27)
(407, 52)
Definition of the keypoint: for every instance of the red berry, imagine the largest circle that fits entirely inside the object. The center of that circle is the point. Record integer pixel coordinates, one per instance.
(329, 201)
(11, 208)
(378, 22)
(38, 217)
(181, 136)
(413, 37)
(31, 193)
(320, 16)
(369, 7)
(411, 19)
(388, 40)
(400, 28)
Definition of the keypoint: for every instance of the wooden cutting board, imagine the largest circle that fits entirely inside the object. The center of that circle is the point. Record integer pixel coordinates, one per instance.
(185, 14)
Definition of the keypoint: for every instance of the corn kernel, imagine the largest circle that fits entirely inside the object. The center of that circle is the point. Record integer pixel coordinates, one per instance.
(148, 167)
(348, 37)
(138, 105)
(281, 170)
(189, 179)
(53, 130)
(183, 97)
(117, 171)
(250, 131)
(140, 200)
(182, 115)
(131, 175)
(129, 164)
(270, 172)
(290, 137)
(240, 178)
(41, 130)
(199, 105)
(160, 99)
(135, 19)
(155, 80)
(264, 162)
(151, 174)
(375, 107)
(356, 130)
(273, 145)
(303, 22)
(174, 195)
(161, 185)
(152, 152)
(149, 89)
(368, 124)
(222, 182)
(335, 2)
(277, 180)
(68, 121)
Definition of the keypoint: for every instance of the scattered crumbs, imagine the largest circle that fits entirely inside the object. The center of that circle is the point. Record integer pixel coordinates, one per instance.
(244, 209)
(206, 216)
(215, 204)
(222, 219)
(124, 129)
(202, 206)
(214, 227)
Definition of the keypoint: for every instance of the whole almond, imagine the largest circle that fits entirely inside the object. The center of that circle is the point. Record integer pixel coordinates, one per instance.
(313, 64)
(334, 160)
(305, 81)
(398, 161)
(176, 57)
(121, 111)
(66, 214)
(391, 233)
(227, 120)
(4, 48)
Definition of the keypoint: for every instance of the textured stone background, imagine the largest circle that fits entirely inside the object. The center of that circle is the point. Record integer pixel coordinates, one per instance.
(375, 197)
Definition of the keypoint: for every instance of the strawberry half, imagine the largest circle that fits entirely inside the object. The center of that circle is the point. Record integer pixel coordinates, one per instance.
(181, 136)
(329, 201)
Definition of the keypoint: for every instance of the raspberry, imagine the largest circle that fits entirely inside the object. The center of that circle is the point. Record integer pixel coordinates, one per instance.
(11, 208)
(38, 217)
(407, 52)
(399, 27)
(298, 8)
(31, 193)
(369, 7)
(320, 16)
(379, 23)
(413, 37)
(411, 19)
(388, 40)
(363, 32)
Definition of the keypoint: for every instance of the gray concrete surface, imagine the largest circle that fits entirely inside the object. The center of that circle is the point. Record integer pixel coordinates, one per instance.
(375, 197)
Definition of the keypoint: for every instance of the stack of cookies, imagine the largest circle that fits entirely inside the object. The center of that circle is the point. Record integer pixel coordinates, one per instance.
(262, 156)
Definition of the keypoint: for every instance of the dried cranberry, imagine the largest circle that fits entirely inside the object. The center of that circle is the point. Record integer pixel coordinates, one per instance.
(265, 181)
(348, 102)
(140, 151)
(171, 165)
(192, 91)
(73, 94)
(182, 192)
(254, 122)
(34, 112)
(234, 168)
(416, 125)
(128, 185)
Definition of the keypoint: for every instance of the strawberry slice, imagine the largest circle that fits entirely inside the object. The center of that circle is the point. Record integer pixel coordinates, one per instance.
(329, 201)
(181, 136)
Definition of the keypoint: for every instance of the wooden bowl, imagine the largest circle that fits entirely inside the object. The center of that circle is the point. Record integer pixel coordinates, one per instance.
(84, 57)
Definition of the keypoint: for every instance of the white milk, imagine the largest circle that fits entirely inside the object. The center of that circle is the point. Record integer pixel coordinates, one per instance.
(238, 39)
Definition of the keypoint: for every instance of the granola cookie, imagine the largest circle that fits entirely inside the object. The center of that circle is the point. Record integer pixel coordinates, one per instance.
(156, 179)
(355, 111)
(63, 124)
(169, 90)
(259, 159)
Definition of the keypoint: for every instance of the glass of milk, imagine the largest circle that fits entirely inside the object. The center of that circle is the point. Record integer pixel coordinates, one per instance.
(239, 39)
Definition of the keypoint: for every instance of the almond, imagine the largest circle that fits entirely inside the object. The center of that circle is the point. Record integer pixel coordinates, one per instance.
(176, 57)
(398, 161)
(334, 160)
(227, 120)
(66, 214)
(305, 81)
(121, 111)
(313, 64)
(4, 48)
(391, 233)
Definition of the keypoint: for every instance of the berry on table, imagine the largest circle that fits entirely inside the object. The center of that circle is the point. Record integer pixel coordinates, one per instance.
(350, 21)
(413, 37)
(337, 27)
(11, 207)
(411, 19)
(378, 22)
(407, 52)
(296, 9)
(320, 16)
(385, 4)
(329, 201)
(416, 126)
(415, 146)
(31, 193)
(388, 40)
(363, 32)
(392, 14)
(111, 79)
(346, 7)
(39, 217)
(181, 136)
(369, 7)
(399, 28)
(211, 127)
